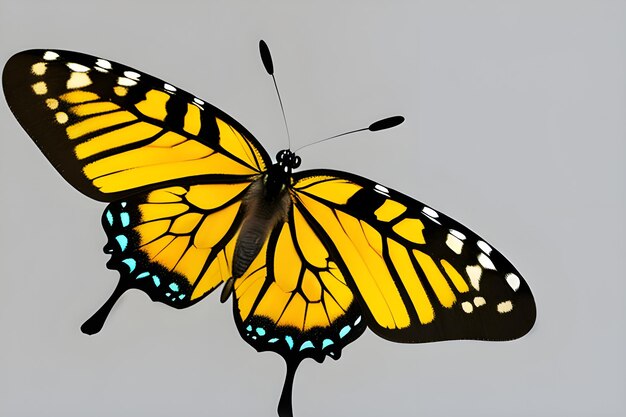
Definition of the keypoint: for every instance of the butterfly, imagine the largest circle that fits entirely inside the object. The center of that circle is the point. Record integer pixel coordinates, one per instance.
(311, 258)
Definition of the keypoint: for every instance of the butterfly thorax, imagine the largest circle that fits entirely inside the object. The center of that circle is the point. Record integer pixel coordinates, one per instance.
(265, 206)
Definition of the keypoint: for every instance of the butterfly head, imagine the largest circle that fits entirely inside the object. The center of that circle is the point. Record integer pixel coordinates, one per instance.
(278, 176)
(288, 160)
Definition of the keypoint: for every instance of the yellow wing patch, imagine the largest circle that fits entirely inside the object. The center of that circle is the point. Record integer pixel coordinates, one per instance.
(208, 197)
(97, 123)
(179, 165)
(79, 97)
(333, 189)
(236, 144)
(364, 264)
(386, 256)
(410, 229)
(389, 210)
(411, 281)
(436, 279)
(99, 126)
(120, 137)
(192, 120)
(306, 292)
(186, 239)
(93, 108)
(154, 105)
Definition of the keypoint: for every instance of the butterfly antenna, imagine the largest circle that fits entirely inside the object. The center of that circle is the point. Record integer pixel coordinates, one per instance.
(266, 57)
(382, 124)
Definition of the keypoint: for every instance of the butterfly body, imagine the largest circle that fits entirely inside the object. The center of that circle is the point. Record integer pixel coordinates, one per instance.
(312, 258)
(266, 204)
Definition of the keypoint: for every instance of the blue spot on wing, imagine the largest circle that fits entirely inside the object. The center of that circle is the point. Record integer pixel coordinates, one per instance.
(143, 275)
(122, 241)
(109, 217)
(174, 287)
(125, 218)
(289, 341)
(344, 331)
(307, 345)
(295, 344)
(131, 263)
(157, 280)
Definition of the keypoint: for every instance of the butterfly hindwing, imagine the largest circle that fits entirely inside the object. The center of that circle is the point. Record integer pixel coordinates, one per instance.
(419, 275)
(175, 243)
(294, 299)
(112, 131)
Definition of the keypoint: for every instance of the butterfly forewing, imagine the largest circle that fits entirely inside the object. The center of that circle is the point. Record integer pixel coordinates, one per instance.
(419, 275)
(113, 131)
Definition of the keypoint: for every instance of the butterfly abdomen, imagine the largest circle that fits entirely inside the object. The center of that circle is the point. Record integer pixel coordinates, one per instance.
(264, 208)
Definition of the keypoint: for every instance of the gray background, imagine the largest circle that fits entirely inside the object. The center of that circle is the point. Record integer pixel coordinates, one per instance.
(515, 127)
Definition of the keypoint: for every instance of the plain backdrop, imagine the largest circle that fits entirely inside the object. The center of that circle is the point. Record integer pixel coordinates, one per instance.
(515, 127)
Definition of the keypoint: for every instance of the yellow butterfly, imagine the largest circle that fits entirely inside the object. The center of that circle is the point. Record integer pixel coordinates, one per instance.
(312, 258)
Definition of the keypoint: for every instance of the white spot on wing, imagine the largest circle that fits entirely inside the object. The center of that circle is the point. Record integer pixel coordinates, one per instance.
(467, 306)
(198, 101)
(77, 67)
(103, 63)
(78, 80)
(457, 234)
(169, 87)
(454, 243)
(484, 247)
(52, 103)
(50, 56)
(486, 262)
(61, 117)
(132, 75)
(474, 272)
(513, 281)
(126, 82)
(39, 68)
(505, 307)
(430, 212)
(479, 301)
(40, 88)
(382, 190)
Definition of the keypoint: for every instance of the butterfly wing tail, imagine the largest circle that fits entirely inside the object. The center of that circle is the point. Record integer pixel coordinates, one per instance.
(285, 408)
(95, 323)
